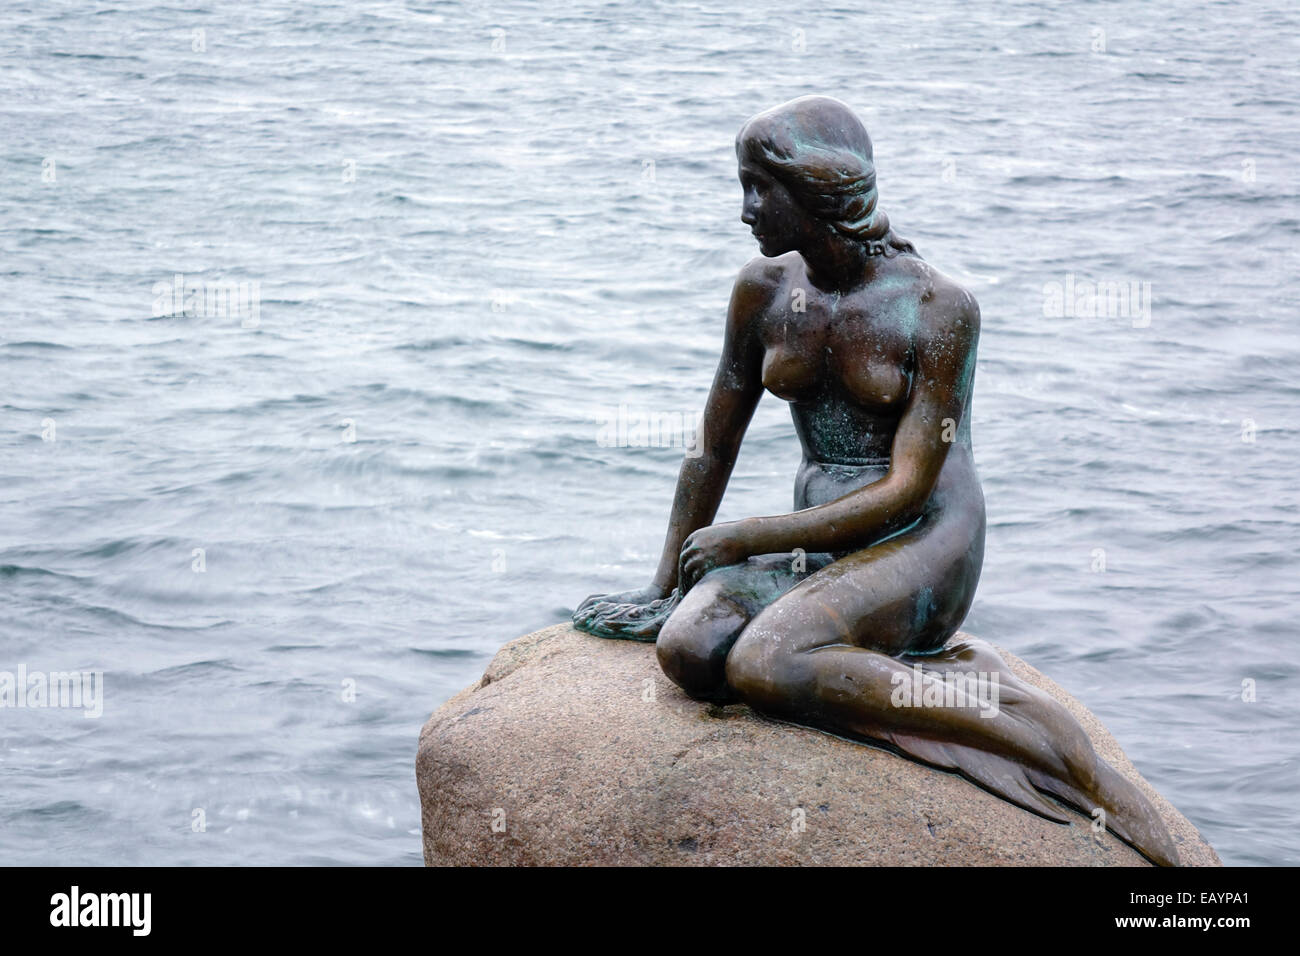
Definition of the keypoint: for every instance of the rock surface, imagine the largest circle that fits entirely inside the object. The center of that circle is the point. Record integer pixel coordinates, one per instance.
(577, 750)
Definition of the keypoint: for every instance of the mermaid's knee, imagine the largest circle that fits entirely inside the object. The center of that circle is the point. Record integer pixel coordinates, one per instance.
(694, 654)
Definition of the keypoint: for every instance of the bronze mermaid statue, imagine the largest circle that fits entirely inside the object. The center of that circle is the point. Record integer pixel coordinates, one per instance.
(822, 616)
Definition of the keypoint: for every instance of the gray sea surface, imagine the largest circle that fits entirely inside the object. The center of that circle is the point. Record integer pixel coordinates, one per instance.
(286, 524)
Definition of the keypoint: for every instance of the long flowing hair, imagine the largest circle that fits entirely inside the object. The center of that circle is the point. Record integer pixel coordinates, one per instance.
(821, 153)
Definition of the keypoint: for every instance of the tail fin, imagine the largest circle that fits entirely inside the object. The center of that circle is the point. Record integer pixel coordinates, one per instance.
(1128, 814)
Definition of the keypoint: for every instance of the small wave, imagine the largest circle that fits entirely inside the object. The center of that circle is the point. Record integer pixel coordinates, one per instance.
(194, 669)
(20, 571)
(61, 810)
(38, 345)
(446, 653)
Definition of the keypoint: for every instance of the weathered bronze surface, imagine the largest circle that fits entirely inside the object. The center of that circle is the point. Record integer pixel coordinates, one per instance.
(832, 615)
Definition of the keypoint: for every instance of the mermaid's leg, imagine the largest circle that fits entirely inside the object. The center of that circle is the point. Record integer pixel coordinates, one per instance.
(827, 654)
(694, 642)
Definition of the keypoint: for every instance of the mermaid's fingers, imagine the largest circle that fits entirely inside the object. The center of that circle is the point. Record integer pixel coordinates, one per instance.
(585, 614)
(688, 552)
(634, 629)
(606, 614)
(683, 573)
(628, 612)
(589, 602)
(599, 626)
(617, 628)
(593, 619)
(692, 570)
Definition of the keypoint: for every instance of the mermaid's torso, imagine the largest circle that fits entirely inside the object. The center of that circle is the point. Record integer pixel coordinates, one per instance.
(845, 364)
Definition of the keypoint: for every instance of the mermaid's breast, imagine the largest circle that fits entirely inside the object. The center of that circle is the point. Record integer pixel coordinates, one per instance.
(791, 376)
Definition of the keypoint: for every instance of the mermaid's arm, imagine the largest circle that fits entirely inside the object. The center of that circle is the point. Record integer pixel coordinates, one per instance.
(702, 480)
(737, 388)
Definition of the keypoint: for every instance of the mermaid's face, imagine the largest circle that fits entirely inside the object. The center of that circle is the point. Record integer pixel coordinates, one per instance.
(774, 216)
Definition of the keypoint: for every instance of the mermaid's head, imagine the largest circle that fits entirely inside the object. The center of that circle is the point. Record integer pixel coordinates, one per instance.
(812, 152)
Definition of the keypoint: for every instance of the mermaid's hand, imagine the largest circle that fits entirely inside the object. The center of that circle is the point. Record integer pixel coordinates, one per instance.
(712, 547)
(651, 592)
(635, 620)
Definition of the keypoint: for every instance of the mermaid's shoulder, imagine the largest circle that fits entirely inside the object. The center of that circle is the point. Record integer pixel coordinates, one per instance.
(762, 273)
(758, 285)
(945, 300)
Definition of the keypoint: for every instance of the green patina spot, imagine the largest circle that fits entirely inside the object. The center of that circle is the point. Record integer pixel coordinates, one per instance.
(924, 609)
